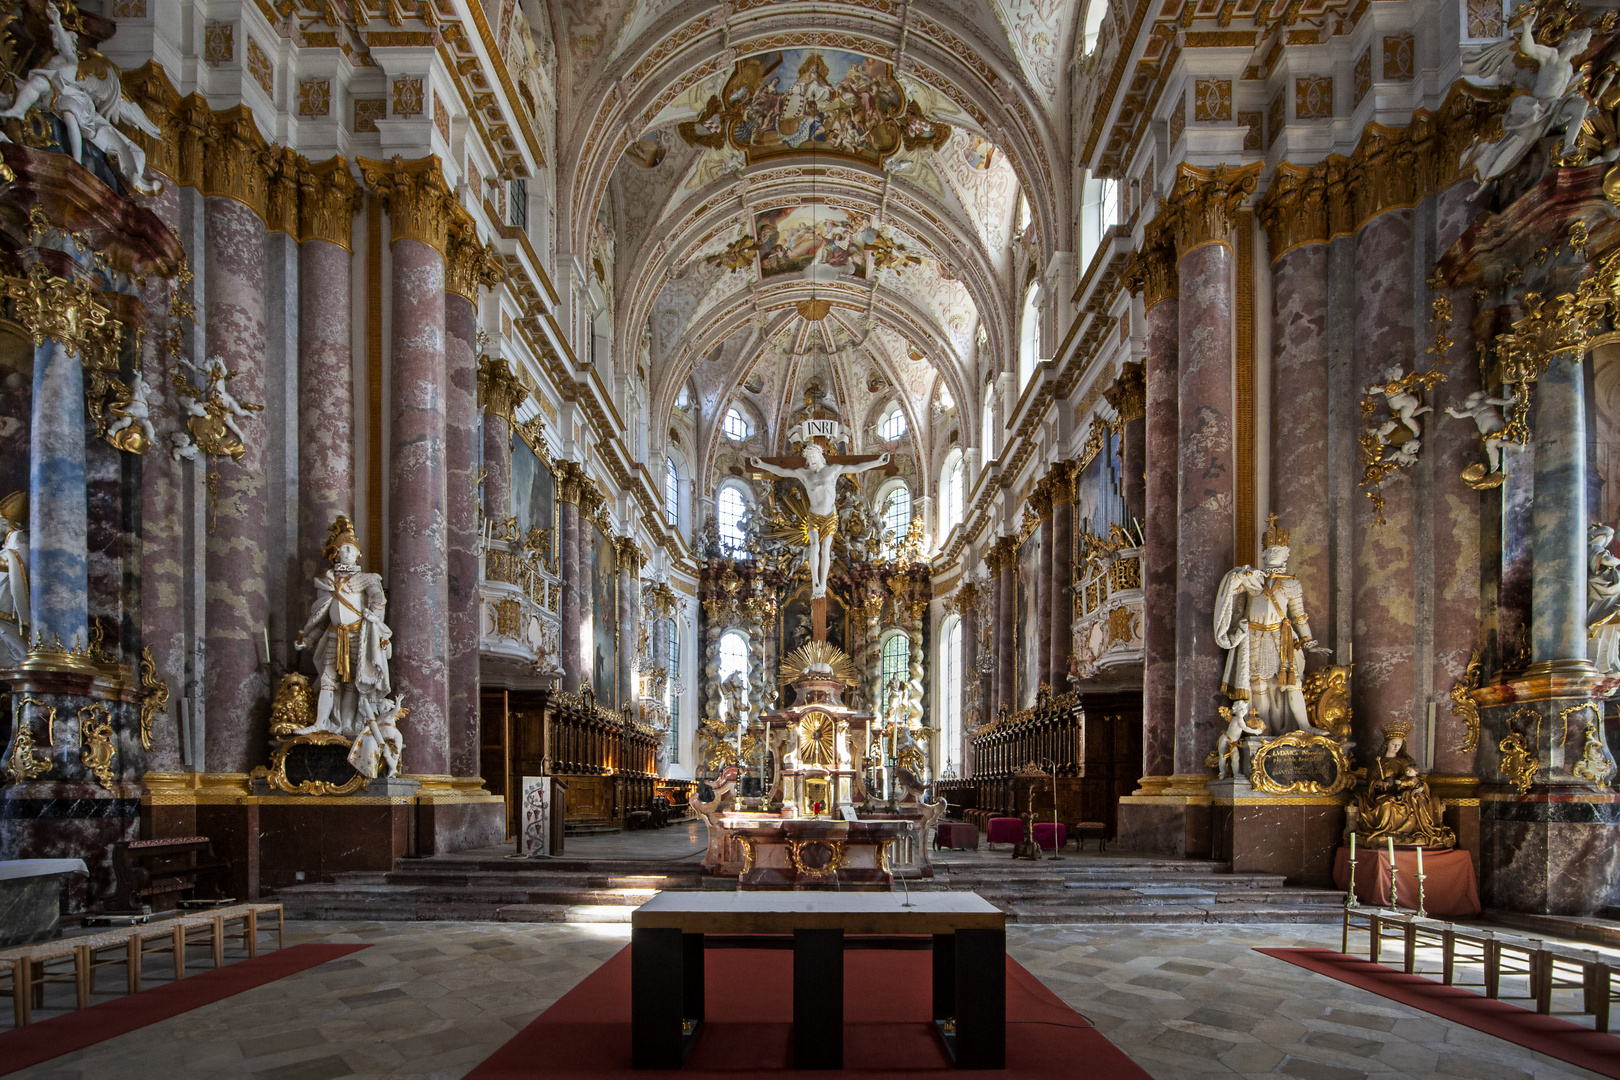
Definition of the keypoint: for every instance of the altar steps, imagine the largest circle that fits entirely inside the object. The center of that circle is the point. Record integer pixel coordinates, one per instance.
(590, 827)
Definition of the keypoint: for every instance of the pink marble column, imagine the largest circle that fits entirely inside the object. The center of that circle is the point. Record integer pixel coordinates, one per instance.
(1043, 591)
(325, 402)
(162, 535)
(629, 594)
(992, 691)
(1007, 626)
(574, 673)
(970, 668)
(1162, 446)
(1062, 635)
(1206, 484)
(461, 439)
(1457, 525)
(419, 598)
(497, 436)
(1383, 689)
(1300, 493)
(236, 683)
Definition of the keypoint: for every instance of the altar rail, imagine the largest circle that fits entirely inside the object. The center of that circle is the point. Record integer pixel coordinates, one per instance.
(608, 761)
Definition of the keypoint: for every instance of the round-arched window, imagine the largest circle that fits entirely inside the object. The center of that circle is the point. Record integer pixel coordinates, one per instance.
(735, 425)
(730, 510)
(733, 654)
(896, 664)
(893, 424)
(896, 519)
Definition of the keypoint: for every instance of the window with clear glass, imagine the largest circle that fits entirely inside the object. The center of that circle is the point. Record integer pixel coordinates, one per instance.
(1029, 338)
(733, 655)
(951, 668)
(735, 426)
(731, 509)
(896, 664)
(1111, 215)
(1095, 14)
(518, 203)
(896, 519)
(893, 424)
(955, 484)
(672, 492)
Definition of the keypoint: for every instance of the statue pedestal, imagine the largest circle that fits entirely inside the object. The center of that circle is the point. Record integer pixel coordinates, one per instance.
(1549, 819)
(1292, 835)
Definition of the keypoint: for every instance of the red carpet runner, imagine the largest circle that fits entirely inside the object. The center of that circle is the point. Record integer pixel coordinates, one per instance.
(887, 1032)
(47, 1039)
(1544, 1034)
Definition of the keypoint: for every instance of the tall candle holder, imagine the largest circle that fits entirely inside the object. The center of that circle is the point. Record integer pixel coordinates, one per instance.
(1421, 913)
(1350, 901)
(1394, 904)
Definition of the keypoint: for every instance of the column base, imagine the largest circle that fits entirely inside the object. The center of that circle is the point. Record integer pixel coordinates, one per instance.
(1168, 816)
(1550, 852)
(66, 819)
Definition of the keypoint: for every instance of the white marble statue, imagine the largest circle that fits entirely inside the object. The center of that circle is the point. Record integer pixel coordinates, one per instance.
(896, 712)
(88, 98)
(1554, 102)
(1602, 600)
(1487, 414)
(1404, 405)
(1237, 728)
(352, 644)
(1260, 620)
(132, 430)
(378, 746)
(14, 603)
(734, 699)
(820, 481)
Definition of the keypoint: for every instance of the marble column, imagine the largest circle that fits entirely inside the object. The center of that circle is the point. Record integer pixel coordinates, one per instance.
(461, 451)
(1062, 636)
(992, 689)
(57, 512)
(1162, 380)
(1007, 625)
(569, 478)
(418, 510)
(1207, 492)
(1384, 685)
(967, 606)
(325, 401)
(629, 596)
(1558, 593)
(237, 683)
(1041, 500)
(499, 393)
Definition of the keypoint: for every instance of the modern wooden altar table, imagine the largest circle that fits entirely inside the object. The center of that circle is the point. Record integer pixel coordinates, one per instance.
(666, 967)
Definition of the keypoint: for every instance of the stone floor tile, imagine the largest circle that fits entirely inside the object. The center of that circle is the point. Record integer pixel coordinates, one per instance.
(1252, 1057)
(279, 1042)
(324, 1068)
(1453, 1064)
(1307, 1069)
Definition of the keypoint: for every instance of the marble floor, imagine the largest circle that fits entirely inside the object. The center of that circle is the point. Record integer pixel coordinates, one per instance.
(434, 999)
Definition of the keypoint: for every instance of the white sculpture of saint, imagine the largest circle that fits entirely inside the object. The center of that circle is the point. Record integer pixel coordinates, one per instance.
(820, 481)
(1602, 600)
(734, 699)
(88, 98)
(378, 746)
(1260, 620)
(15, 613)
(1554, 100)
(352, 644)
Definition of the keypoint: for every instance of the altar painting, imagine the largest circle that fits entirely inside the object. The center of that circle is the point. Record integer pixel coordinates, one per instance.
(1098, 489)
(1027, 629)
(793, 239)
(603, 616)
(534, 493)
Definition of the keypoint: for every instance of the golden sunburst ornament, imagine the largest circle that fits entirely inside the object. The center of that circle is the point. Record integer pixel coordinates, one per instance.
(797, 664)
(814, 309)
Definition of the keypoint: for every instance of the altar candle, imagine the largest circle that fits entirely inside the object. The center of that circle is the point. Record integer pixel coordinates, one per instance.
(1420, 861)
(1352, 847)
(1391, 840)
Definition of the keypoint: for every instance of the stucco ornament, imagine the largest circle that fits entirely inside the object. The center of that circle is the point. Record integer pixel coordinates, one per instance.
(1602, 600)
(87, 96)
(1495, 431)
(1554, 105)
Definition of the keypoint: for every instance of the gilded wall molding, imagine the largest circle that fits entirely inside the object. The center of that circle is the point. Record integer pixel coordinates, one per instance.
(420, 204)
(328, 199)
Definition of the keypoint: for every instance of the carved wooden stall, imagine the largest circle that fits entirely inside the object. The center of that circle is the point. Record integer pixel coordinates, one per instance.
(608, 760)
(1052, 735)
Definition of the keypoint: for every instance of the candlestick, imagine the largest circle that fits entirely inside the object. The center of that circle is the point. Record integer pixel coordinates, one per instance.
(1420, 862)
(1394, 903)
(1421, 913)
(1350, 900)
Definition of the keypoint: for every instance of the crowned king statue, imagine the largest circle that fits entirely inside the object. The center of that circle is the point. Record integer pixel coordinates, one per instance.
(351, 642)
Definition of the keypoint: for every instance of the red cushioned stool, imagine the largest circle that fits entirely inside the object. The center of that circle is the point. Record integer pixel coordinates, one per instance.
(1005, 830)
(1043, 835)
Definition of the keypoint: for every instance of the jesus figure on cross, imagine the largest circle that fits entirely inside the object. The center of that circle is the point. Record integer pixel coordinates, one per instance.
(820, 480)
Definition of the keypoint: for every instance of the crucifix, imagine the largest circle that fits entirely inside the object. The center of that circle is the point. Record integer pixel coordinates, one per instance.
(819, 473)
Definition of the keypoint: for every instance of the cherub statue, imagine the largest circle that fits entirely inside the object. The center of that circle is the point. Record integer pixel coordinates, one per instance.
(1406, 454)
(1554, 100)
(132, 431)
(88, 98)
(1237, 727)
(352, 644)
(1488, 415)
(230, 410)
(1404, 405)
(1603, 600)
(378, 747)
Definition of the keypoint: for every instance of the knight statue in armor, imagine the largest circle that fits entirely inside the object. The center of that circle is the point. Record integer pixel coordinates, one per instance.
(1260, 622)
(352, 645)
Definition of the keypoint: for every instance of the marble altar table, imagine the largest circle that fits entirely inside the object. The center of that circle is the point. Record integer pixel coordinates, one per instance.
(31, 899)
(970, 967)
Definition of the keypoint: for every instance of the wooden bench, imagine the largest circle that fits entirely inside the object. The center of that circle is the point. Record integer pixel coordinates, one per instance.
(24, 971)
(173, 866)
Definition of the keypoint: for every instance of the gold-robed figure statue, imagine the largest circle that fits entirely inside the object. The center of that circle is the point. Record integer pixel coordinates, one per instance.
(1397, 802)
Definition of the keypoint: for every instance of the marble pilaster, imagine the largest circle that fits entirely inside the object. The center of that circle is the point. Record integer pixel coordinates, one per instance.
(574, 672)
(992, 690)
(1162, 445)
(1007, 627)
(628, 594)
(1558, 592)
(1045, 600)
(417, 479)
(461, 449)
(236, 682)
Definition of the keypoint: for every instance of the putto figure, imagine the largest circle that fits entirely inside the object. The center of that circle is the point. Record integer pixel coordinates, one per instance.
(820, 481)
(352, 644)
(1260, 620)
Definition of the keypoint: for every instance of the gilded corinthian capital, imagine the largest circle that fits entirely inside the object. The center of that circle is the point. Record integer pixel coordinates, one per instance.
(468, 262)
(420, 205)
(571, 481)
(1205, 202)
(1128, 394)
(499, 391)
(1152, 270)
(327, 200)
(1294, 211)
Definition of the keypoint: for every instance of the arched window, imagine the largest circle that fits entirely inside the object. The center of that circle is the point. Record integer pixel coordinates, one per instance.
(672, 649)
(733, 654)
(896, 664)
(950, 666)
(954, 486)
(896, 519)
(893, 424)
(1096, 12)
(1029, 342)
(947, 400)
(731, 509)
(989, 423)
(735, 425)
(672, 493)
